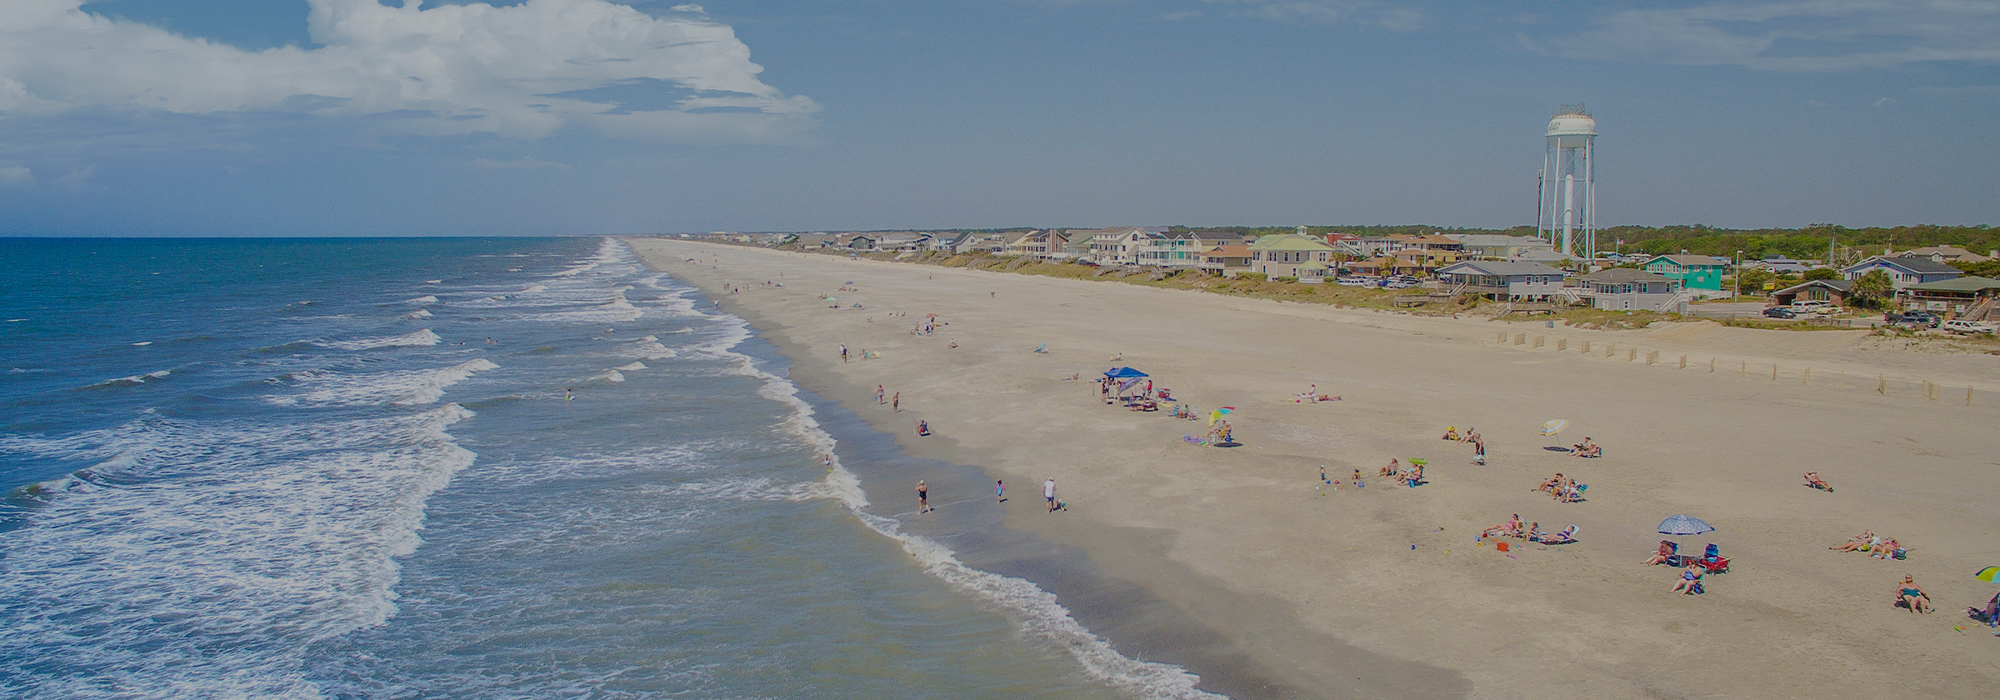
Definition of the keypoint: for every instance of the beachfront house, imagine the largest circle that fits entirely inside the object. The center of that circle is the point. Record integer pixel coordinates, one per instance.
(1693, 272)
(1225, 260)
(1281, 256)
(903, 242)
(1119, 245)
(1514, 281)
(1903, 272)
(860, 243)
(1835, 291)
(974, 243)
(1169, 250)
(1485, 246)
(1626, 289)
(1969, 297)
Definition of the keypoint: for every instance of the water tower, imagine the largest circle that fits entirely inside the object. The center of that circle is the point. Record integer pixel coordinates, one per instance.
(1568, 203)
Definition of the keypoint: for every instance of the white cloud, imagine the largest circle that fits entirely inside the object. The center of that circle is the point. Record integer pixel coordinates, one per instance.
(16, 176)
(1813, 35)
(453, 69)
(1329, 11)
(526, 163)
(77, 180)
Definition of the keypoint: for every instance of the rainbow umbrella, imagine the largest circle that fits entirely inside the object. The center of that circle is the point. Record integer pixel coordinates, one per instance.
(1217, 414)
(1989, 574)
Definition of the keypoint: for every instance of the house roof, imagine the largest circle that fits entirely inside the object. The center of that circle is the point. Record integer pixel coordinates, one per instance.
(1840, 285)
(1230, 236)
(1689, 260)
(1968, 283)
(1291, 241)
(1624, 274)
(1946, 251)
(1917, 265)
(1233, 250)
(1494, 239)
(1542, 255)
(1498, 268)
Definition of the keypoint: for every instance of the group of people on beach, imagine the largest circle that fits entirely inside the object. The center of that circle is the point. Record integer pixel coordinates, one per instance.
(1413, 476)
(1531, 532)
(1873, 545)
(1472, 436)
(1562, 488)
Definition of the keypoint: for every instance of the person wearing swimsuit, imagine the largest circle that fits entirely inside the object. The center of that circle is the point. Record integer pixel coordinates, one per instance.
(923, 498)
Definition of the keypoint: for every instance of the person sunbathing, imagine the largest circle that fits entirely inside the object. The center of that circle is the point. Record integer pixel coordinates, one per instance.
(1551, 483)
(1511, 528)
(1690, 580)
(1585, 449)
(1566, 536)
(1664, 555)
(1989, 614)
(1912, 596)
(1451, 433)
(1534, 533)
(1391, 469)
(1885, 549)
(1813, 480)
(1855, 543)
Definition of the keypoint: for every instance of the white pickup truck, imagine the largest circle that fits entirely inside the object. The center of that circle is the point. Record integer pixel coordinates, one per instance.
(1970, 327)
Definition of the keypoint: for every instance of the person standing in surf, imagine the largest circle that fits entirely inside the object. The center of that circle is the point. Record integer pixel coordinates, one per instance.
(999, 491)
(923, 498)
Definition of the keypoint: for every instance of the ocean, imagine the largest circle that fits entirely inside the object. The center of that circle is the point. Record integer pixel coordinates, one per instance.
(465, 468)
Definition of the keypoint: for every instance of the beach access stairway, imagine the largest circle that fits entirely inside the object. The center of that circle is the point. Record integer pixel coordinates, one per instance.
(1983, 312)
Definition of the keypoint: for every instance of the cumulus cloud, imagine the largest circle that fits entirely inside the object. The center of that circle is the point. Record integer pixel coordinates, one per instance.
(455, 69)
(1813, 35)
(1367, 12)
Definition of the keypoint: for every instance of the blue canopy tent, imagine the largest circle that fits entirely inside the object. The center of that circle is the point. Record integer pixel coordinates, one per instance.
(1124, 373)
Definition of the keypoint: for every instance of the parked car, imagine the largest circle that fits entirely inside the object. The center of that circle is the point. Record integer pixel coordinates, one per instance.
(1919, 319)
(1780, 312)
(1398, 283)
(1353, 282)
(1969, 327)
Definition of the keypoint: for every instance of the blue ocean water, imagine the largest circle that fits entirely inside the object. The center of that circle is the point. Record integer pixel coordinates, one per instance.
(456, 468)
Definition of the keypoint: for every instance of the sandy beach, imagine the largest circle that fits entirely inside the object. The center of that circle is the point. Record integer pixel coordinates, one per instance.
(1386, 591)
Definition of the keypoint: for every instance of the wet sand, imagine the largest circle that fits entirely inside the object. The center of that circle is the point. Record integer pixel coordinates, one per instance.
(1281, 587)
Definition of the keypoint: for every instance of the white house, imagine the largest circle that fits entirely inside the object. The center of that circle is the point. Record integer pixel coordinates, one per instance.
(1505, 280)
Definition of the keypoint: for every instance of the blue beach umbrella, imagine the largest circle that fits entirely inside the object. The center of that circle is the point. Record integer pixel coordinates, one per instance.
(1684, 525)
(1124, 373)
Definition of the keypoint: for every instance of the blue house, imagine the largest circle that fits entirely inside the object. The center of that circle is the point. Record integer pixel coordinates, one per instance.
(1903, 272)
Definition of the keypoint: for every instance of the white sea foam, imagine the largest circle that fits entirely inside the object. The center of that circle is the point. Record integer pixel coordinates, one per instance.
(1037, 612)
(143, 343)
(214, 531)
(417, 339)
(535, 288)
(135, 379)
(419, 314)
(613, 376)
(425, 299)
(398, 387)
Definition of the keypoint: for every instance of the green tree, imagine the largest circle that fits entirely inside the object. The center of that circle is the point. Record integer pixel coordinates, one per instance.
(1873, 288)
(1754, 279)
(1822, 273)
(1989, 268)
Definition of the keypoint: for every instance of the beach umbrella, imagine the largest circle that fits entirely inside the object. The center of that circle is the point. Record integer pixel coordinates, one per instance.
(1684, 525)
(930, 315)
(1124, 373)
(1217, 414)
(1989, 574)
(1554, 426)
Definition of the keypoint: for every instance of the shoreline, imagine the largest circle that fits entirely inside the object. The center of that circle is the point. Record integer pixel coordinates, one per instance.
(1109, 601)
(1390, 579)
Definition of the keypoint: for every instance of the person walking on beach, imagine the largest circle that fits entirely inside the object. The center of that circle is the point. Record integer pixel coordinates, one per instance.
(896, 402)
(1479, 452)
(1049, 493)
(999, 491)
(843, 353)
(878, 394)
(923, 498)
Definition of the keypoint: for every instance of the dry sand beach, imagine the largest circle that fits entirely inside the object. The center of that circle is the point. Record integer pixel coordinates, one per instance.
(1383, 591)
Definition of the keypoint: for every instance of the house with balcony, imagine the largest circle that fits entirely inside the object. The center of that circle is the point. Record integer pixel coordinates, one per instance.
(1903, 272)
(1513, 281)
(1281, 255)
(1626, 289)
(1693, 272)
(1970, 297)
(1225, 260)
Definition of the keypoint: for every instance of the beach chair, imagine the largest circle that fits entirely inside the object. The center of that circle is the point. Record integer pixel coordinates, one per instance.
(1713, 561)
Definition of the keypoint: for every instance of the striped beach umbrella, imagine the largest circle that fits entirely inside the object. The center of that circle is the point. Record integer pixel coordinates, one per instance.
(1989, 574)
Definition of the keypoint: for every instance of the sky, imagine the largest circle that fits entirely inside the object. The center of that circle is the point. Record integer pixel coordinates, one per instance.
(360, 117)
